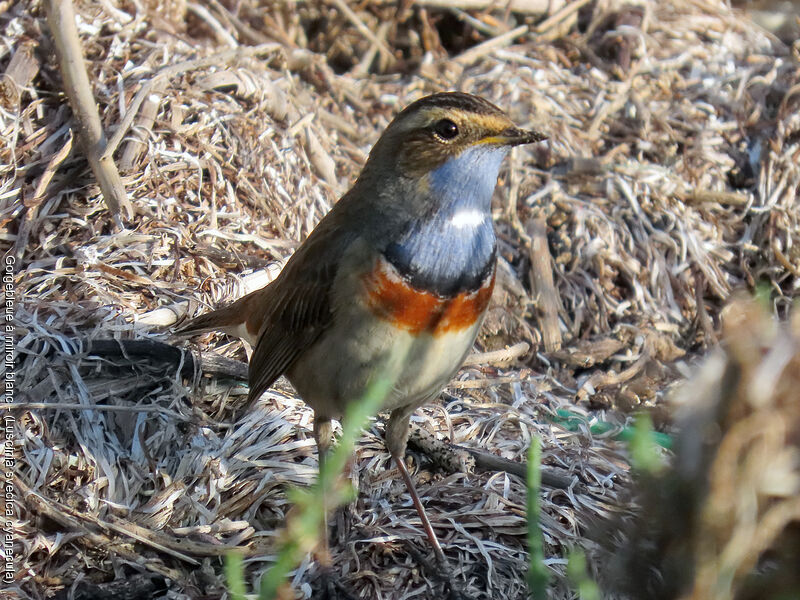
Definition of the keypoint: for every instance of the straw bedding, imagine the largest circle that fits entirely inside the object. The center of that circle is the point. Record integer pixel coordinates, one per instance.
(669, 181)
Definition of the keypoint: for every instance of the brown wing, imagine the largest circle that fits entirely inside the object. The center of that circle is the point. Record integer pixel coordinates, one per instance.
(298, 304)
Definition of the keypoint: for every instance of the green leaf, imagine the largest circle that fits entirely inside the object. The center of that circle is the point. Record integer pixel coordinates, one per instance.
(537, 570)
(234, 575)
(645, 456)
(579, 577)
(305, 527)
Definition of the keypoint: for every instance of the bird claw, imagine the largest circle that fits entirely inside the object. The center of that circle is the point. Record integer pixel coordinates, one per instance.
(439, 570)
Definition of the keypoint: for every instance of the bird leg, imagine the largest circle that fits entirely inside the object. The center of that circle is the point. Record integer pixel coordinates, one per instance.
(397, 429)
(323, 432)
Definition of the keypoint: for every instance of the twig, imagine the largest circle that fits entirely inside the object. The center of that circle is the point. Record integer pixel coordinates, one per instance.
(61, 20)
(319, 158)
(787, 264)
(245, 84)
(587, 353)
(476, 384)
(446, 456)
(560, 15)
(497, 357)
(702, 313)
(165, 355)
(166, 316)
(222, 34)
(602, 379)
(530, 7)
(491, 45)
(362, 68)
(697, 196)
(50, 170)
(458, 459)
(486, 461)
(244, 29)
(544, 290)
(161, 353)
(143, 126)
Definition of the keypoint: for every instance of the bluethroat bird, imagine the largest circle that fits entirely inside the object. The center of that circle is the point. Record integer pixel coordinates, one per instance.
(401, 270)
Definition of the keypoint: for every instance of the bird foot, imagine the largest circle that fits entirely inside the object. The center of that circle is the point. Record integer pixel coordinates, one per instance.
(439, 570)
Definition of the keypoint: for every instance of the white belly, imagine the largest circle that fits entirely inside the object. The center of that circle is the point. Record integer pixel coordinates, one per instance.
(338, 368)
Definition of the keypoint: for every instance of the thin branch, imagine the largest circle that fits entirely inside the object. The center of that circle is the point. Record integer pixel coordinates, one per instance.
(454, 458)
(560, 15)
(544, 290)
(530, 7)
(161, 353)
(144, 125)
(489, 46)
(497, 357)
(61, 20)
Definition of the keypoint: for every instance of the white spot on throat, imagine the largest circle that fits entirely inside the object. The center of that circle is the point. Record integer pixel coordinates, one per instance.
(468, 218)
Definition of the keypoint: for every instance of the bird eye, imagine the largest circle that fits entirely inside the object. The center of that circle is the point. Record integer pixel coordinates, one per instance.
(445, 129)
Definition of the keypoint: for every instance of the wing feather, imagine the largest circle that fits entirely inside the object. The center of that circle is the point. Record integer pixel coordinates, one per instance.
(299, 307)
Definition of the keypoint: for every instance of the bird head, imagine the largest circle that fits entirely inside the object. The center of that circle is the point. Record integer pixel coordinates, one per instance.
(446, 127)
(428, 184)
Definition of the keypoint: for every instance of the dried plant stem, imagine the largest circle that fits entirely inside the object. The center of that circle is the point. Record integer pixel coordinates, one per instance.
(473, 54)
(454, 458)
(61, 19)
(497, 357)
(20, 72)
(161, 353)
(144, 124)
(220, 31)
(558, 16)
(485, 461)
(544, 290)
(532, 7)
(723, 198)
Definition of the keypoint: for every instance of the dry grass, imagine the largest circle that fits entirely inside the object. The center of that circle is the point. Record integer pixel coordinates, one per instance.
(723, 522)
(670, 180)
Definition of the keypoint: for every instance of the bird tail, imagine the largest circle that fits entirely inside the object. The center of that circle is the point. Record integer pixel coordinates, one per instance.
(223, 319)
(237, 319)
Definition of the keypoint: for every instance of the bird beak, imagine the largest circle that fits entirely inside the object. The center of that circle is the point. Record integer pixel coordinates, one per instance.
(514, 136)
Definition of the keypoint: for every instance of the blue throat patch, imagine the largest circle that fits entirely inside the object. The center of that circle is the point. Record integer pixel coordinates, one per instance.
(451, 248)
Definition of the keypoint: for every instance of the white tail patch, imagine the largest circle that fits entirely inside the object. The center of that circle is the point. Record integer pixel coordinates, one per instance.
(468, 218)
(241, 331)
